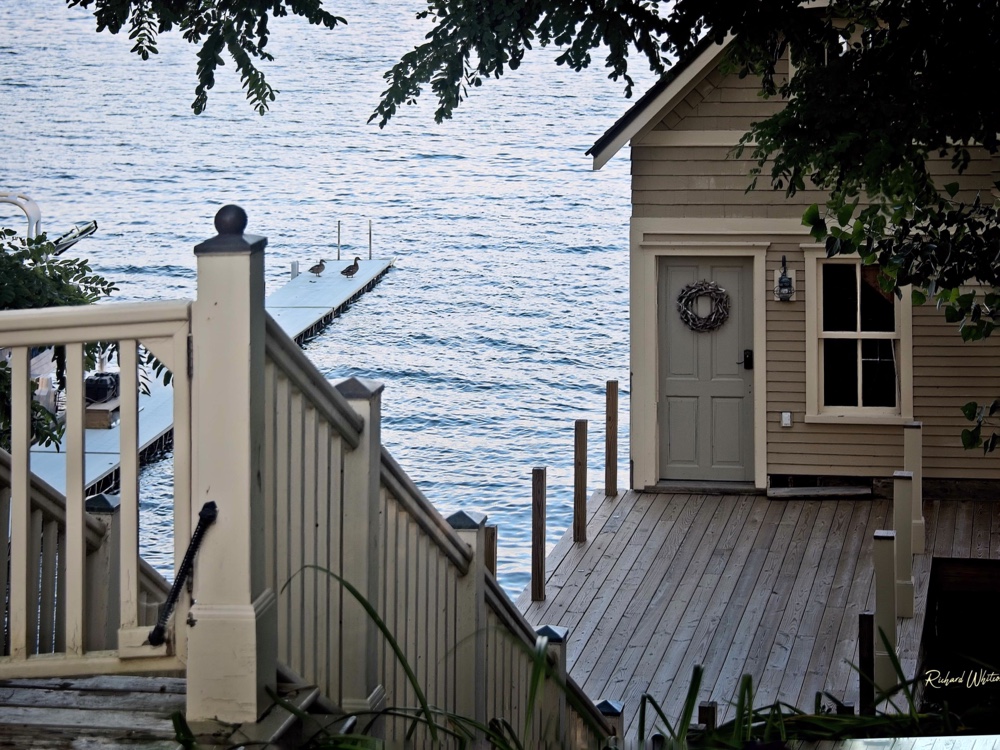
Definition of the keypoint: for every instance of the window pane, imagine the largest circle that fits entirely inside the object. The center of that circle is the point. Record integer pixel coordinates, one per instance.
(878, 373)
(840, 372)
(877, 308)
(840, 297)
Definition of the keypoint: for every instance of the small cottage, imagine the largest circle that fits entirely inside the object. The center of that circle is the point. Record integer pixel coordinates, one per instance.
(755, 359)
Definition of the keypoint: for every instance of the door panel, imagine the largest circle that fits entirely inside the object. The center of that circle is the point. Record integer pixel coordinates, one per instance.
(705, 396)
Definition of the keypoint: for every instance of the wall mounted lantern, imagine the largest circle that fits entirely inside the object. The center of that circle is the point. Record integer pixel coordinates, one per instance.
(784, 290)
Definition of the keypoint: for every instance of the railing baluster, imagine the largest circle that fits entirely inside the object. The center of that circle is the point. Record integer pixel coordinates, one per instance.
(76, 547)
(20, 525)
(46, 630)
(296, 588)
(34, 572)
(334, 551)
(129, 484)
(60, 645)
(182, 477)
(270, 474)
(309, 531)
(283, 501)
(4, 565)
(323, 582)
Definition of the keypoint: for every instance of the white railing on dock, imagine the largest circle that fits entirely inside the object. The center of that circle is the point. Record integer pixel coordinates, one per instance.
(52, 540)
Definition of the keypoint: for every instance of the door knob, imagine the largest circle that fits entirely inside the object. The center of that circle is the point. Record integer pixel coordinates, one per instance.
(747, 360)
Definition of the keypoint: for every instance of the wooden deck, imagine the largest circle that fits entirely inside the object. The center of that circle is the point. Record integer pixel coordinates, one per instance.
(739, 584)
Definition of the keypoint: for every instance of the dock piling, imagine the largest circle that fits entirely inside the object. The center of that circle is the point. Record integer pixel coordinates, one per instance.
(580, 481)
(611, 439)
(338, 239)
(538, 534)
(913, 462)
(866, 657)
(885, 607)
(902, 517)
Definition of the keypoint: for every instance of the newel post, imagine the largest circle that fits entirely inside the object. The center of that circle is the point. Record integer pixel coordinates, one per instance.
(362, 487)
(470, 626)
(232, 628)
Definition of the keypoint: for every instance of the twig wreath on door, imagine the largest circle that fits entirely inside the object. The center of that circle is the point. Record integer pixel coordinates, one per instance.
(687, 300)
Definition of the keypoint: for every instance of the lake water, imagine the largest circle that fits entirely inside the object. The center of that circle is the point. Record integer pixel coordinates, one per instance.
(508, 308)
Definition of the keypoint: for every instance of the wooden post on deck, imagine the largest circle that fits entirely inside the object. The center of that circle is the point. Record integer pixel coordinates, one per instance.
(470, 619)
(232, 628)
(902, 517)
(866, 659)
(613, 712)
(362, 505)
(883, 553)
(913, 462)
(708, 714)
(580, 480)
(538, 534)
(554, 695)
(611, 439)
(491, 548)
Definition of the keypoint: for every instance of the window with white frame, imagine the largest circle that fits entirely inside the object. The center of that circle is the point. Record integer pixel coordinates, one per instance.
(859, 339)
(860, 349)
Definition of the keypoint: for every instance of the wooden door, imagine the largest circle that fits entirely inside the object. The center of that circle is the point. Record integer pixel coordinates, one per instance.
(705, 389)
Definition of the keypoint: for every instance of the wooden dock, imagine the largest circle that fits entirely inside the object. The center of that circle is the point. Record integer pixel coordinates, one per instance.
(303, 307)
(739, 584)
(308, 303)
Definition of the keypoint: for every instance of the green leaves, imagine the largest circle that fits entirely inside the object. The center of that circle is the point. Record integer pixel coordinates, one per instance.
(238, 28)
(32, 276)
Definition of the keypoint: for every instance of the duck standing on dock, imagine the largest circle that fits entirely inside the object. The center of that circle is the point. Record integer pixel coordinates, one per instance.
(352, 269)
(318, 268)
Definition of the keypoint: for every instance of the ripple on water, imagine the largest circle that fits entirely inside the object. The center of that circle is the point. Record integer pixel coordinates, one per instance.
(508, 309)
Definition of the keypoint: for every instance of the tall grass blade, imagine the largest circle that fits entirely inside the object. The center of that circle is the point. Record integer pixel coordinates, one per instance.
(390, 639)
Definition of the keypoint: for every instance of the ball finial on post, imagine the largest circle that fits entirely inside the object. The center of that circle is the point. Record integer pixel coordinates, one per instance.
(231, 223)
(231, 219)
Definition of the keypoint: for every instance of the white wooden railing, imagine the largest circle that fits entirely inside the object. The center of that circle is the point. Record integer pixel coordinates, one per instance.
(53, 540)
(307, 497)
(469, 648)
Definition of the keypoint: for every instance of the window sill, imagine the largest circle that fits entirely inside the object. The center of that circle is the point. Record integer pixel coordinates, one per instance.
(859, 419)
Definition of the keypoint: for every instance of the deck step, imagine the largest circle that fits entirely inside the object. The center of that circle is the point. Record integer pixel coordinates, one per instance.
(806, 493)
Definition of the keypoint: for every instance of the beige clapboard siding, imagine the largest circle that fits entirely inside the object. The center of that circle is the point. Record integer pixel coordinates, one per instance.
(722, 101)
(947, 373)
(811, 448)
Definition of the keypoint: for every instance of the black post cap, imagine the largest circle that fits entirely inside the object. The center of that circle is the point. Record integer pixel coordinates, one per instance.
(230, 223)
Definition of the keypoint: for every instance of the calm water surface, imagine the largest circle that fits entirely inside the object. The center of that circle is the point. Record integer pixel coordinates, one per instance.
(508, 308)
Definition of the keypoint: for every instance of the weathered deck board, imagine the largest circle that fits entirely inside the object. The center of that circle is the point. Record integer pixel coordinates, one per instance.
(102, 713)
(740, 585)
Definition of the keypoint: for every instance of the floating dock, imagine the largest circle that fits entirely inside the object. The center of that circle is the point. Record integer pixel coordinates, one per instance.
(303, 308)
(308, 303)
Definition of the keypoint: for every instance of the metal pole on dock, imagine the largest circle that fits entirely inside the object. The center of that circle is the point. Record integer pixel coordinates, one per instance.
(369, 239)
(338, 239)
(611, 439)
(538, 534)
(580, 481)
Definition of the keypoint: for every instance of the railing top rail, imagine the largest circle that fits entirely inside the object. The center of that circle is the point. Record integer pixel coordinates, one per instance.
(50, 501)
(424, 513)
(510, 616)
(84, 323)
(299, 369)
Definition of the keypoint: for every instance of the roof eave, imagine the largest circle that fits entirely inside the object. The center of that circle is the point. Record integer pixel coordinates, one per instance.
(654, 102)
